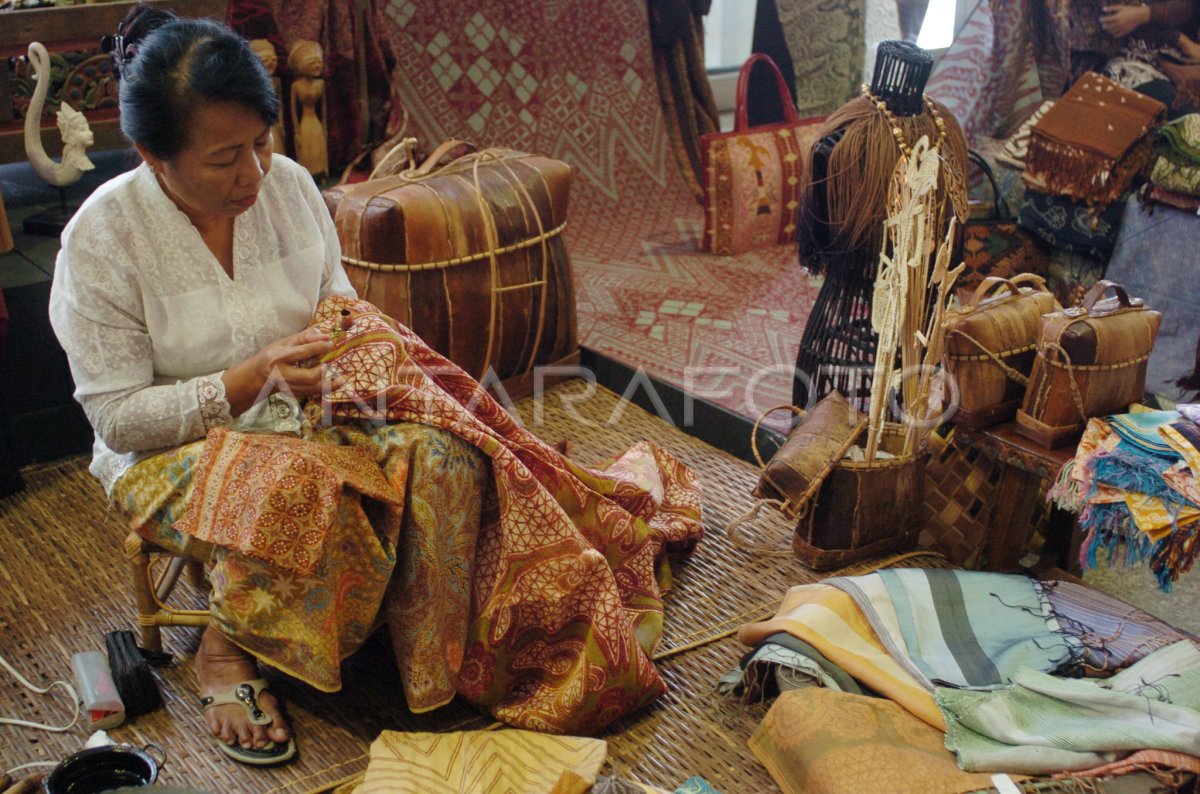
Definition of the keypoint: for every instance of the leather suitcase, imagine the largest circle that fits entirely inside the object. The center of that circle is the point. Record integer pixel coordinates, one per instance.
(990, 345)
(1091, 361)
(470, 255)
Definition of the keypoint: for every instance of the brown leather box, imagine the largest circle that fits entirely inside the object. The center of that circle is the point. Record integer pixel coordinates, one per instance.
(1091, 361)
(991, 342)
(470, 255)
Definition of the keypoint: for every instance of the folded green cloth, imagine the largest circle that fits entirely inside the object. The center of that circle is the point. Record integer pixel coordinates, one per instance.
(1043, 724)
(1179, 140)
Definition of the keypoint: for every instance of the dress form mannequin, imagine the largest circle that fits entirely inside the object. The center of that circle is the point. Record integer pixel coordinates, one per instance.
(265, 50)
(840, 220)
(308, 106)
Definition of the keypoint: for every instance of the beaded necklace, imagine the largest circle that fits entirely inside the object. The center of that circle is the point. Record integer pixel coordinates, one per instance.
(897, 132)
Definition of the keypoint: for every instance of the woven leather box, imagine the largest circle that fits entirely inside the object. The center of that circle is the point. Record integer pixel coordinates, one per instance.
(1091, 361)
(990, 345)
(470, 255)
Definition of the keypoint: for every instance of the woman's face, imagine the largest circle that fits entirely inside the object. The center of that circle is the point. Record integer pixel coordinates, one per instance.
(220, 171)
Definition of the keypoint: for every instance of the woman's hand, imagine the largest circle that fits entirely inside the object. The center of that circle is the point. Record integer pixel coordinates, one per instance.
(289, 365)
(1120, 21)
(1189, 48)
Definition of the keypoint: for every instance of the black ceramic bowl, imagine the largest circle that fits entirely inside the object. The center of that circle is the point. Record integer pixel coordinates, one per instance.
(100, 769)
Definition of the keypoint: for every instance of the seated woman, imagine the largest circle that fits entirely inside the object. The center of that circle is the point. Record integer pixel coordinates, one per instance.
(201, 300)
(1158, 54)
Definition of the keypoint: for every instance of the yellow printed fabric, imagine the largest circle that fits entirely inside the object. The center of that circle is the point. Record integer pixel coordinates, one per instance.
(498, 762)
(820, 741)
(828, 619)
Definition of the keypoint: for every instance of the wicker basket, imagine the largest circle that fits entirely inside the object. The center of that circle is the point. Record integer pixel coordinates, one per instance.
(864, 509)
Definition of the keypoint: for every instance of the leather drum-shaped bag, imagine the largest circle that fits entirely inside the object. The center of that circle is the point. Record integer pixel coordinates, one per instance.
(1091, 361)
(990, 346)
(470, 256)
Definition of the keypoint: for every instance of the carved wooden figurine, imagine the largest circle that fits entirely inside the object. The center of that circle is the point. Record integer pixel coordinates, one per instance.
(308, 106)
(76, 134)
(265, 50)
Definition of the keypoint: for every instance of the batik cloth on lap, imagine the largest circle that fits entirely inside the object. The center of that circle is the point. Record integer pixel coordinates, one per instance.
(971, 629)
(1089, 145)
(828, 619)
(465, 762)
(1113, 634)
(277, 497)
(566, 604)
(820, 741)
(306, 624)
(1043, 724)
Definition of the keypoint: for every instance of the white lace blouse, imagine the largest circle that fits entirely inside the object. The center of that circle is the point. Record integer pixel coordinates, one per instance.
(149, 320)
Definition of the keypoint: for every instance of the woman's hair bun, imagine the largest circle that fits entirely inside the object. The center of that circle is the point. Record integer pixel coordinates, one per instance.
(137, 24)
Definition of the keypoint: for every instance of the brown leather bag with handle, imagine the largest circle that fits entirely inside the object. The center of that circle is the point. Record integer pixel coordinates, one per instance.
(1091, 361)
(990, 345)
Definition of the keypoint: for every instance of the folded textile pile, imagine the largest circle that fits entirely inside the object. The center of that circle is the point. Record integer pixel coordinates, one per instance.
(1090, 145)
(988, 658)
(1043, 724)
(1177, 164)
(1016, 146)
(1133, 483)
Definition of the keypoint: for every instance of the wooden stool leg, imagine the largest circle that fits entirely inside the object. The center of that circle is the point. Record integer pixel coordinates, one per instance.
(195, 574)
(143, 591)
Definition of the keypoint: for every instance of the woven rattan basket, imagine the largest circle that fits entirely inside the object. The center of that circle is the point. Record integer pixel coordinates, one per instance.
(845, 510)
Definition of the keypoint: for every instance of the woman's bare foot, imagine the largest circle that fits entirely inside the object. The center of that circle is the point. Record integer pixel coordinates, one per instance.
(221, 665)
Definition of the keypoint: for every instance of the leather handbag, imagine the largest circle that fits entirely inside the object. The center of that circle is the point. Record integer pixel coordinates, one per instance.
(1091, 361)
(990, 344)
(844, 510)
(753, 175)
(467, 250)
(997, 246)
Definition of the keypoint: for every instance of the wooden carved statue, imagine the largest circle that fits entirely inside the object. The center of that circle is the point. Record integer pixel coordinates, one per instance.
(265, 50)
(308, 106)
(76, 134)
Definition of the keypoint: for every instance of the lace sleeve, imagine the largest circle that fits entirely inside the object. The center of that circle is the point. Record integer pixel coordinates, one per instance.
(96, 311)
(214, 407)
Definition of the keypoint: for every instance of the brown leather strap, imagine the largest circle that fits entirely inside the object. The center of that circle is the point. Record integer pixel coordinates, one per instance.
(441, 151)
(1099, 288)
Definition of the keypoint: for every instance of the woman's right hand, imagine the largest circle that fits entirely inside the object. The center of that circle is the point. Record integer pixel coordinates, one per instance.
(1119, 21)
(289, 365)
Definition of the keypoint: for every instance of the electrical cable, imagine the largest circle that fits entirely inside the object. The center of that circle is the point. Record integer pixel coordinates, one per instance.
(38, 725)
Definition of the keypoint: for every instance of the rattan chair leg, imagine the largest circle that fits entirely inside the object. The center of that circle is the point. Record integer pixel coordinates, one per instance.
(169, 578)
(143, 592)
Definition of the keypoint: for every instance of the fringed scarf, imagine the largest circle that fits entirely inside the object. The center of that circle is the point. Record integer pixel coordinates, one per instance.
(858, 178)
(1090, 145)
(1128, 504)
